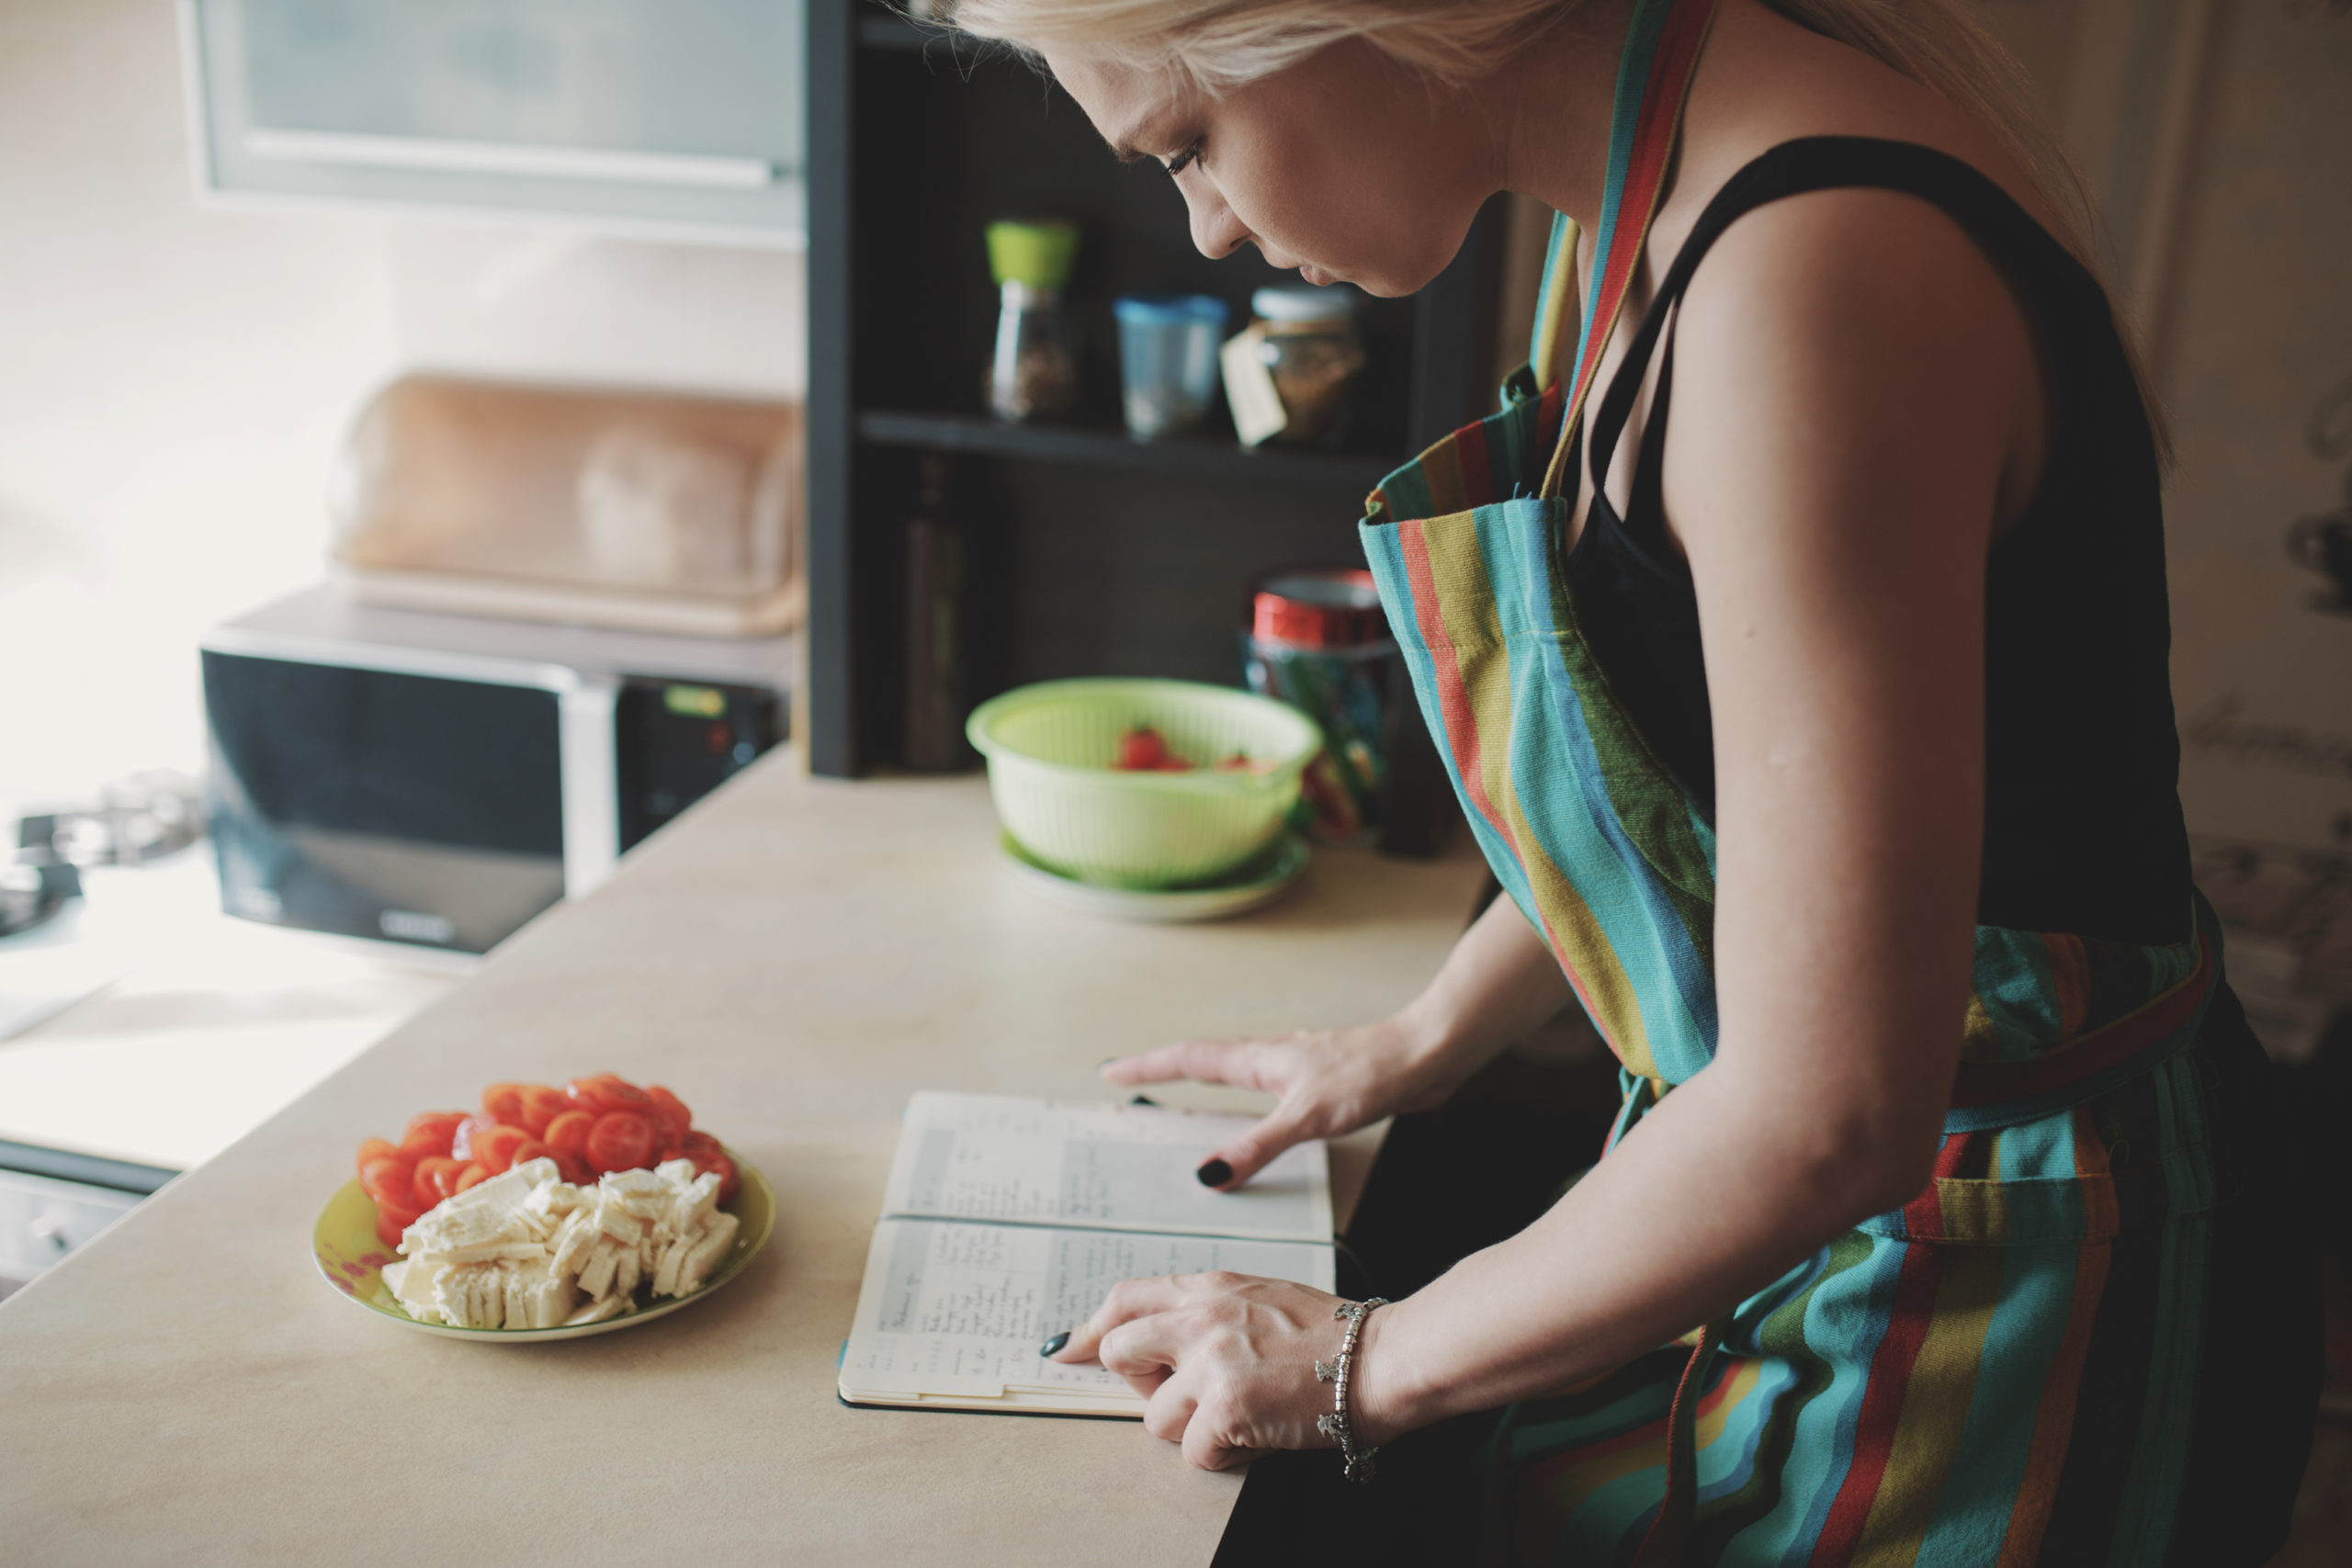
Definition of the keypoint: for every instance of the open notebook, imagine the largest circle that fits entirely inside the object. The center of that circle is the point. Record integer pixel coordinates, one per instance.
(1007, 1220)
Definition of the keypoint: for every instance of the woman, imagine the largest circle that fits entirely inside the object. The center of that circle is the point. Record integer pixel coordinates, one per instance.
(1821, 736)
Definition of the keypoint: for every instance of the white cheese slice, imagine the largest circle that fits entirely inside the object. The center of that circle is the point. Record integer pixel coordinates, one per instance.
(597, 1312)
(482, 1213)
(569, 1249)
(665, 1273)
(596, 1275)
(498, 1251)
(694, 1203)
(697, 1264)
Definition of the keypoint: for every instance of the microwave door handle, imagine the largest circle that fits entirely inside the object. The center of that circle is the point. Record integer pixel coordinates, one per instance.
(588, 756)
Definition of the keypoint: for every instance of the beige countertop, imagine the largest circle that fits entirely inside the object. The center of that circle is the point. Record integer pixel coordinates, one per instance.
(795, 959)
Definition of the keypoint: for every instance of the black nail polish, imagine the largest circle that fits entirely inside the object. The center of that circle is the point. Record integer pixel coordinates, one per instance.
(1143, 1100)
(1216, 1173)
(1054, 1347)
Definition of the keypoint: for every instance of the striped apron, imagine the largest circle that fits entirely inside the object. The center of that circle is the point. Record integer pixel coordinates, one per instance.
(1910, 1393)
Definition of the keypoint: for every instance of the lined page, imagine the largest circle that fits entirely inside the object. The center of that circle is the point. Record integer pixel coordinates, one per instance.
(952, 1309)
(1111, 1167)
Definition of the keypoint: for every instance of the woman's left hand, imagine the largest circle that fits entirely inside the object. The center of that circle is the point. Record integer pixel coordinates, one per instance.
(1226, 1360)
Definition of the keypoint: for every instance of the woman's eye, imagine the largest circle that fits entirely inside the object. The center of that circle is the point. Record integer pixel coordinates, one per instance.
(1185, 159)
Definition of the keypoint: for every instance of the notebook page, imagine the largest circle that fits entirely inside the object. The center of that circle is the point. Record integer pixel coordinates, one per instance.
(981, 1156)
(951, 1309)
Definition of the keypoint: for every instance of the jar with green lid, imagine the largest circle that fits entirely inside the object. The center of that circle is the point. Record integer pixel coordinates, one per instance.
(1315, 356)
(1033, 372)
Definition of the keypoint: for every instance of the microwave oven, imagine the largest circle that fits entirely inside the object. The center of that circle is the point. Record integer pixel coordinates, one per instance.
(439, 779)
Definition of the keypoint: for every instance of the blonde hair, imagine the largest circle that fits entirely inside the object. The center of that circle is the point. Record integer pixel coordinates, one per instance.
(1217, 44)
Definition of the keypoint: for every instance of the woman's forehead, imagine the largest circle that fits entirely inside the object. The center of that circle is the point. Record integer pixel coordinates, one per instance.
(1128, 103)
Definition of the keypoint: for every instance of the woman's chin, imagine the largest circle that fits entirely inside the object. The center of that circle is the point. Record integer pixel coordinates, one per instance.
(1382, 280)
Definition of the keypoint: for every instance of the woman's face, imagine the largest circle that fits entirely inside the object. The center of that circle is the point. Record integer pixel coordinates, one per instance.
(1347, 165)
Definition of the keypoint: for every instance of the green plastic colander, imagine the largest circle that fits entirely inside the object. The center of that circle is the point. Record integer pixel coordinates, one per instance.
(1050, 747)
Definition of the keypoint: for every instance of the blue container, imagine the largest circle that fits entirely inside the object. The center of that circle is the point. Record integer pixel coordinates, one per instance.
(1168, 345)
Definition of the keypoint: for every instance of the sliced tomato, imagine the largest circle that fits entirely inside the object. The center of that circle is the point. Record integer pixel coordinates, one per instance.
(503, 1102)
(567, 1134)
(494, 1150)
(528, 1150)
(474, 1175)
(573, 1169)
(469, 1136)
(728, 1176)
(1140, 750)
(389, 1178)
(609, 1091)
(376, 1148)
(697, 1145)
(671, 1117)
(391, 1219)
(621, 1139)
(542, 1105)
(430, 1133)
(436, 1178)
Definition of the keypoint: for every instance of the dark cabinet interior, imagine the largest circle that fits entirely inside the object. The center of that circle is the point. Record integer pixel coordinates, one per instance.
(1091, 554)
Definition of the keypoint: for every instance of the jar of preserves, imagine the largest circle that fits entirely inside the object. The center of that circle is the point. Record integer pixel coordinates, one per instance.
(1317, 638)
(1314, 354)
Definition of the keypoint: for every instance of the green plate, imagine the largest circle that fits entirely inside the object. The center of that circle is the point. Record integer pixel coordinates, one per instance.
(1260, 882)
(353, 1261)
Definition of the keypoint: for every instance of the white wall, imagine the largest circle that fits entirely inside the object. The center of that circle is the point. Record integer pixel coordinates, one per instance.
(171, 382)
(2253, 331)
(175, 378)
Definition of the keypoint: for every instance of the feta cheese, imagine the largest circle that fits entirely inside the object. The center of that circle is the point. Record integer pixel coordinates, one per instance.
(522, 1249)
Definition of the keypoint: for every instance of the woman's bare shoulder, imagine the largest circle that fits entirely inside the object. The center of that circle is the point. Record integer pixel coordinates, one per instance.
(1849, 317)
(1765, 80)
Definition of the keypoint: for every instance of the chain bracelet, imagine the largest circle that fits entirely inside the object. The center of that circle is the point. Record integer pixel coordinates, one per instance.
(1340, 1426)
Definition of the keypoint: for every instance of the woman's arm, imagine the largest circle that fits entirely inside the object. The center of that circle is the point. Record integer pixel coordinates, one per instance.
(1852, 385)
(1854, 389)
(1499, 983)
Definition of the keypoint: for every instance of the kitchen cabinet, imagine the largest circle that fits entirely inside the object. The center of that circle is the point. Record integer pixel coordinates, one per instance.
(668, 118)
(1092, 554)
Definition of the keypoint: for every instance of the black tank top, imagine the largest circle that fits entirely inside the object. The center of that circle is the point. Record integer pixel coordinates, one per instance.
(2083, 828)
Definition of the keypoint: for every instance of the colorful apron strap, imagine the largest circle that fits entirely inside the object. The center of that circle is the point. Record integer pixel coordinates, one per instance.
(1670, 1527)
(1653, 79)
(1552, 301)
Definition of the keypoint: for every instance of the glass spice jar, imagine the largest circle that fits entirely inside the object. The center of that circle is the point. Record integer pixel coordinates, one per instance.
(1314, 355)
(1033, 372)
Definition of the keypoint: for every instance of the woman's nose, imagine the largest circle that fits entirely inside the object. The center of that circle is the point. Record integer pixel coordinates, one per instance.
(1216, 231)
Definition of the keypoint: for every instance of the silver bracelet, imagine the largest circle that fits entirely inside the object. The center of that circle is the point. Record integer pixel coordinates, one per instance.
(1341, 1426)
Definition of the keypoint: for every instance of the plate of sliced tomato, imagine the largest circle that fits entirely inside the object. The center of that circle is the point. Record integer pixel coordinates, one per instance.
(591, 1126)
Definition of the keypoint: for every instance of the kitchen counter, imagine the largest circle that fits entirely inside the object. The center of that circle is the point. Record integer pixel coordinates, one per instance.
(795, 958)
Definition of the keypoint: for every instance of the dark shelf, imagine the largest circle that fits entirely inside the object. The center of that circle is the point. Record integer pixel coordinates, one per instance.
(1112, 450)
(918, 137)
(877, 28)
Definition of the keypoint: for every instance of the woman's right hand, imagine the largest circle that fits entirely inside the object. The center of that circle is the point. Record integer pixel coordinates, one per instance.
(1500, 982)
(1328, 1082)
